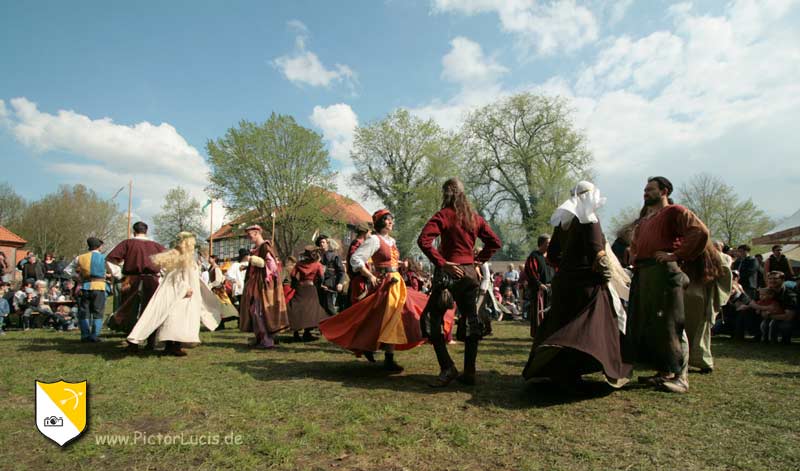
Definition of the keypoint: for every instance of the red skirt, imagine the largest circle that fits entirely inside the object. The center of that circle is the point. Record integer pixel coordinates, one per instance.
(390, 315)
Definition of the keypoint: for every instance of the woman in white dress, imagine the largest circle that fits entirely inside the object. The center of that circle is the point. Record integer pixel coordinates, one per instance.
(181, 302)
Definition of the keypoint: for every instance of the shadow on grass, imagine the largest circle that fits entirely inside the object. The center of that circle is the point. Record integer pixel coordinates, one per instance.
(494, 389)
(726, 347)
(111, 348)
(785, 374)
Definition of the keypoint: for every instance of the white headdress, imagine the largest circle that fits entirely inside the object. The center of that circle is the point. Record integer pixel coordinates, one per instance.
(583, 203)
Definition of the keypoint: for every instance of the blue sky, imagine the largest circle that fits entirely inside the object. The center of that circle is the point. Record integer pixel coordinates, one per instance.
(100, 92)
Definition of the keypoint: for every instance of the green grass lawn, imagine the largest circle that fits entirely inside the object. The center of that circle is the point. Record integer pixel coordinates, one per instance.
(313, 406)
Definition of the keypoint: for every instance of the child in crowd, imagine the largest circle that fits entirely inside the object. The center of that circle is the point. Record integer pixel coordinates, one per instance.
(510, 303)
(767, 306)
(5, 309)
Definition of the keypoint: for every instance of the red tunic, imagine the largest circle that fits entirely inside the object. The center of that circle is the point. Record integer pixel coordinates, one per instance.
(358, 284)
(457, 244)
(672, 229)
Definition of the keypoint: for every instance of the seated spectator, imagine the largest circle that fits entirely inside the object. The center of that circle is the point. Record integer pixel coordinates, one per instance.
(20, 295)
(510, 303)
(5, 309)
(768, 306)
(27, 305)
(54, 294)
(68, 290)
(63, 318)
(727, 321)
(787, 299)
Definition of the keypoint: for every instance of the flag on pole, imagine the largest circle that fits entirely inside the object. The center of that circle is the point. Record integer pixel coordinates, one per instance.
(206, 205)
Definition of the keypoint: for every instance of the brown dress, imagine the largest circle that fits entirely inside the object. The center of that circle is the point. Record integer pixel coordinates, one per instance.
(263, 296)
(305, 312)
(580, 334)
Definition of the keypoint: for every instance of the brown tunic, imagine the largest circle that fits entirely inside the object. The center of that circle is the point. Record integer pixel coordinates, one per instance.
(305, 312)
(140, 282)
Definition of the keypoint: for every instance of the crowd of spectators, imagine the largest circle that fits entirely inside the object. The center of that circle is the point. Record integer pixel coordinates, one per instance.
(44, 296)
(763, 302)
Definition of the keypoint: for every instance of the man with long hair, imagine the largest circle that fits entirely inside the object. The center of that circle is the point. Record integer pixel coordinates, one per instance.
(667, 237)
(457, 226)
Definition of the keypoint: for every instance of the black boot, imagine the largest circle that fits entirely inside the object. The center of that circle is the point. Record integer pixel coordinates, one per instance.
(447, 369)
(470, 356)
(297, 337)
(370, 356)
(308, 336)
(390, 365)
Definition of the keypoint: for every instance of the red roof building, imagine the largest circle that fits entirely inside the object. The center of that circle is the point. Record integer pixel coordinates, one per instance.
(229, 238)
(10, 244)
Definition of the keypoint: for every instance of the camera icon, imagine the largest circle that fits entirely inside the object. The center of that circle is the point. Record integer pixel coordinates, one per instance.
(53, 421)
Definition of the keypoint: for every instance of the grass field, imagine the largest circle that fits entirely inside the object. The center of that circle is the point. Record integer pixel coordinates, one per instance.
(312, 406)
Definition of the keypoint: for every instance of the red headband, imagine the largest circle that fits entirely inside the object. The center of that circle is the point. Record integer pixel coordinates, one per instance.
(378, 215)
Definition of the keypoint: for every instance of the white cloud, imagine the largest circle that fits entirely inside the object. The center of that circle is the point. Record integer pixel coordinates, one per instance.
(478, 77)
(641, 64)
(465, 63)
(338, 124)
(618, 10)
(714, 94)
(104, 155)
(543, 27)
(674, 102)
(304, 67)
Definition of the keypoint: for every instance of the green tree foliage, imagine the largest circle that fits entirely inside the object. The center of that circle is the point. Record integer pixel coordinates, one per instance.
(729, 218)
(60, 222)
(403, 160)
(180, 212)
(12, 205)
(523, 156)
(278, 166)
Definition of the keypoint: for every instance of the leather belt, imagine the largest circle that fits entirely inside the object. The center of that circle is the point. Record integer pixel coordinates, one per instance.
(386, 269)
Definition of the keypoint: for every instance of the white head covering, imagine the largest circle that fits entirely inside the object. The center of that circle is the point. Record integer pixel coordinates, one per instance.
(583, 203)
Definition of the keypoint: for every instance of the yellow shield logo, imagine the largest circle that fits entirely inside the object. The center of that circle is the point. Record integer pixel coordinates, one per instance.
(61, 410)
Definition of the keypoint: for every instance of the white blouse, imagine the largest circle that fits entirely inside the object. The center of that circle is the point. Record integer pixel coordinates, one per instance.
(367, 249)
